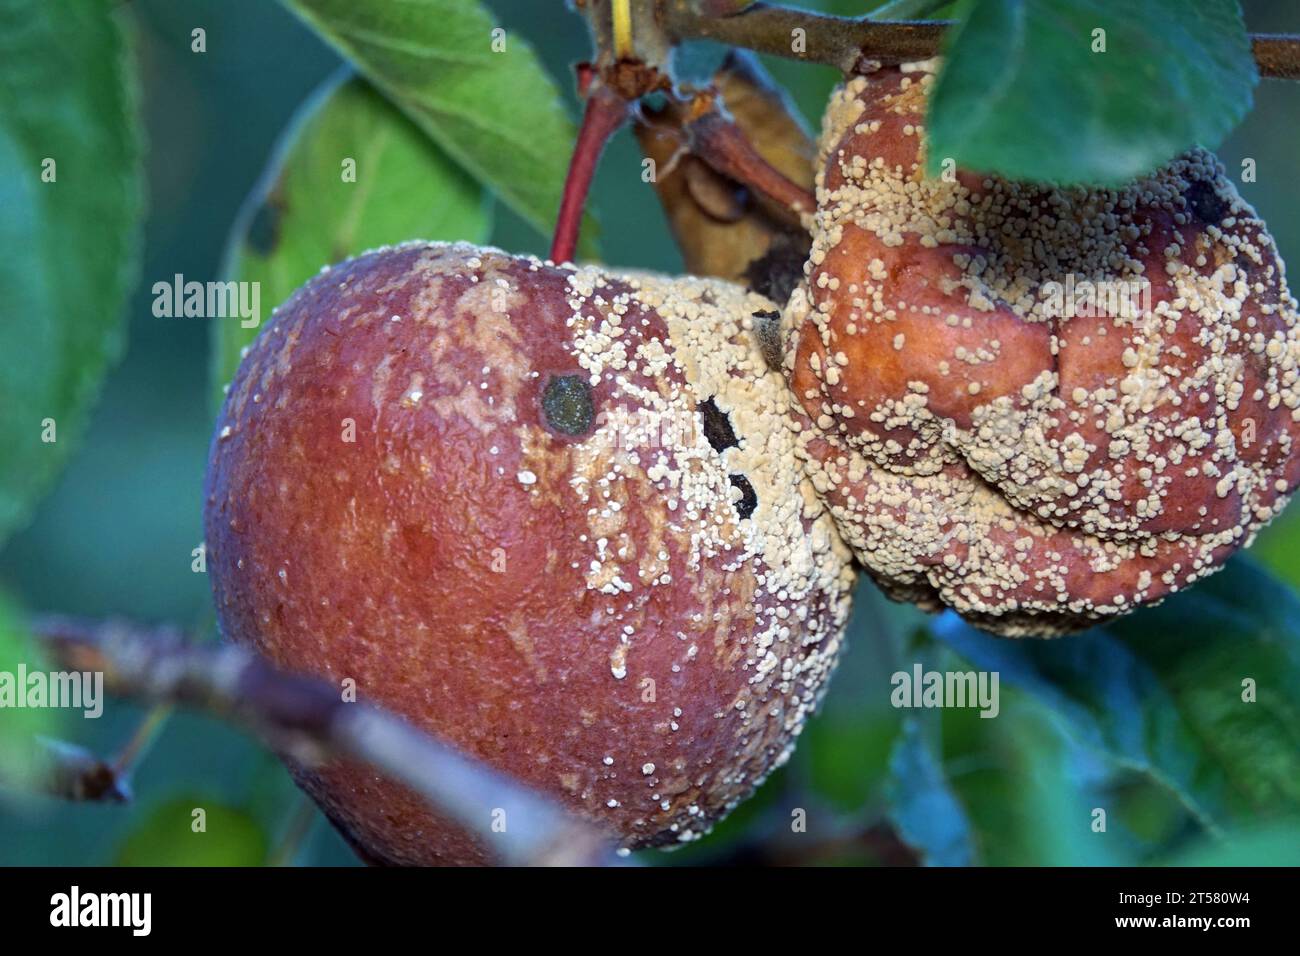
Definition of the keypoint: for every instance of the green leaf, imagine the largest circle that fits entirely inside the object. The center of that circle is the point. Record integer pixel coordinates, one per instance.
(498, 114)
(1277, 845)
(1278, 547)
(1027, 791)
(1161, 692)
(194, 830)
(999, 785)
(845, 752)
(305, 214)
(1239, 625)
(922, 805)
(1023, 94)
(20, 757)
(69, 227)
(847, 759)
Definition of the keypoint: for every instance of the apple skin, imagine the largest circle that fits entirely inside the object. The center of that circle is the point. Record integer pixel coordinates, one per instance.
(482, 488)
(1038, 467)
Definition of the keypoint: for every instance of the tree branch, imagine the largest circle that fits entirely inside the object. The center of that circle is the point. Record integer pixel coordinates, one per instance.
(1277, 54)
(72, 772)
(844, 42)
(309, 719)
(834, 41)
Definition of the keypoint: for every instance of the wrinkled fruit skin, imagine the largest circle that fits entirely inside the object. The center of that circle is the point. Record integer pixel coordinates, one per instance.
(989, 442)
(536, 547)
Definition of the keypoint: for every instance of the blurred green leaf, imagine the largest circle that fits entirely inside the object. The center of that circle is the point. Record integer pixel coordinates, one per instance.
(1023, 94)
(1277, 845)
(1240, 625)
(910, 10)
(1028, 791)
(1008, 789)
(20, 757)
(305, 215)
(70, 199)
(844, 754)
(1157, 820)
(1278, 547)
(167, 836)
(495, 110)
(922, 806)
(1161, 692)
(848, 757)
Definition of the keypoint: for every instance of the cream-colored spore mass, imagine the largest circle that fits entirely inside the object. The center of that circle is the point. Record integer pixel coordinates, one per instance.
(1037, 406)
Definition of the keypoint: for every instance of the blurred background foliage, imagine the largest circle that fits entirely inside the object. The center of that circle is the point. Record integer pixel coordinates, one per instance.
(116, 534)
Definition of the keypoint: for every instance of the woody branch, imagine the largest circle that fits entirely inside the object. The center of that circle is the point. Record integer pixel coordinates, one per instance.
(845, 41)
(309, 719)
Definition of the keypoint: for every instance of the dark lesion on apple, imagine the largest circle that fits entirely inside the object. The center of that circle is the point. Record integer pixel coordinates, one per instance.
(568, 406)
(748, 502)
(1205, 202)
(767, 332)
(721, 436)
(717, 426)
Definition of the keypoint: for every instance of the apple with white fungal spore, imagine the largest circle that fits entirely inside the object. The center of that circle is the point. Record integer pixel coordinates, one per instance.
(1039, 406)
(550, 514)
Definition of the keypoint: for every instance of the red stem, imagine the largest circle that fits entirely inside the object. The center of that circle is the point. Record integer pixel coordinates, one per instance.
(606, 112)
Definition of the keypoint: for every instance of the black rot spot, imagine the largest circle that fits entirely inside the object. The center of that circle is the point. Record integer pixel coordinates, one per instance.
(748, 498)
(567, 405)
(1205, 203)
(777, 272)
(717, 426)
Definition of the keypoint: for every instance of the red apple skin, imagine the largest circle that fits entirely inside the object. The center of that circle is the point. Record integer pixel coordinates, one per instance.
(1038, 469)
(390, 502)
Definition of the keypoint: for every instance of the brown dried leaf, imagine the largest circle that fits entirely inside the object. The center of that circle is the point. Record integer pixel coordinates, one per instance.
(720, 226)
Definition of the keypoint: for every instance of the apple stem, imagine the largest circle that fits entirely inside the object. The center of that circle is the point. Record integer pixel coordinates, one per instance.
(606, 111)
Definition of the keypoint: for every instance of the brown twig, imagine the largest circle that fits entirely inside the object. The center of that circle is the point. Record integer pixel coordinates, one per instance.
(843, 41)
(1278, 55)
(717, 140)
(309, 719)
(831, 40)
(71, 772)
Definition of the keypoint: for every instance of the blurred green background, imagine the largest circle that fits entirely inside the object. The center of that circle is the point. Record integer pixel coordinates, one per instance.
(115, 536)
